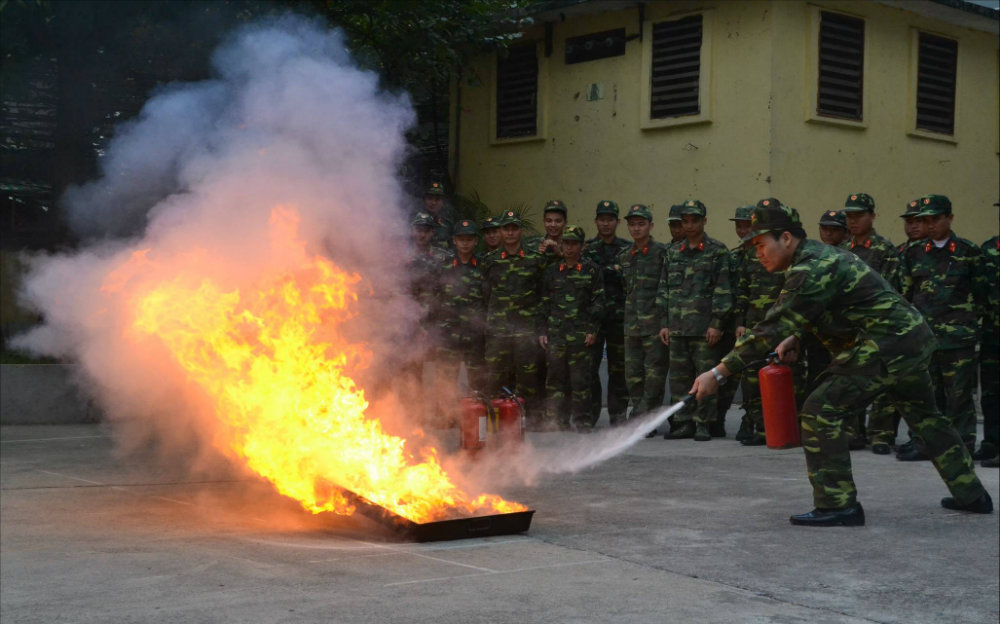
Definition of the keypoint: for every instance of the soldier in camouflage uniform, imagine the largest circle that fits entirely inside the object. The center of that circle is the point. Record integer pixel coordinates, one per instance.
(944, 279)
(879, 342)
(833, 227)
(434, 205)
(646, 358)
(572, 308)
(695, 299)
(489, 229)
(513, 281)
(880, 254)
(603, 250)
(463, 310)
(989, 357)
(675, 224)
(554, 222)
(914, 228)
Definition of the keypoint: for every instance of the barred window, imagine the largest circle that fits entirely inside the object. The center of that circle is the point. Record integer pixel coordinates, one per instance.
(517, 93)
(841, 66)
(676, 68)
(936, 84)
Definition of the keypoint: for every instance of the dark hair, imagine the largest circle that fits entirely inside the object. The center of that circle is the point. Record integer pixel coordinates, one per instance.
(796, 232)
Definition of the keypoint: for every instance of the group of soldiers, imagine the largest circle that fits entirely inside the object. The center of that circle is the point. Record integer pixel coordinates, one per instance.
(538, 315)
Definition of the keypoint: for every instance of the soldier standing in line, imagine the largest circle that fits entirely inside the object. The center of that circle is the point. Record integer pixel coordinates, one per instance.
(694, 298)
(490, 231)
(945, 281)
(646, 358)
(989, 358)
(880, 344)
(675, 224)
(833, 227)
(554, 222)
(572, 308)
(913, 227)
(513, 280)
(880, 254)
(434, 205)
(603, 250)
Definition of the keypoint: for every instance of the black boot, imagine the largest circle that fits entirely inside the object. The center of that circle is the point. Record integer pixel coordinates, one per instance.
(746, 430)
(848, 516)
(982, 505)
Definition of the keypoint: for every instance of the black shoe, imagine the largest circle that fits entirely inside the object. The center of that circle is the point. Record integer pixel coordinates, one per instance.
(986, 451)
(983, 504)
(881, 448)
(701, 434)
(993, 462)
(849, 516)
(756, 440)
(905, 447)
(914, 454)
(857, 443)
(717, 430)
(685, 430)
(746, 430)
(652, 434)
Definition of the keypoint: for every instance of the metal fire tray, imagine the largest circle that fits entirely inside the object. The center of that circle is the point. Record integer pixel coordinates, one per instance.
(459, 528)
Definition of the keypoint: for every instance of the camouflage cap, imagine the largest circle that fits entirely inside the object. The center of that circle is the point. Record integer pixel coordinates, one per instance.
(931, 205)
(554, 205)
(422, 218)
(770, 214)
(489, 223)
(574, 233)
(912, 208)
(675, 212)
(834, 218)
(465, 226)
(606, 206)
(436, 188)
(639, 210)
(743, 213)
(509, 217)
(693, 207)
(859, 202)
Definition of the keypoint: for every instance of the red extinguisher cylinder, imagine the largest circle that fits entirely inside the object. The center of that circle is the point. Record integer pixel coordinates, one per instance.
(777, 395)
(473, 424)
(510, 420)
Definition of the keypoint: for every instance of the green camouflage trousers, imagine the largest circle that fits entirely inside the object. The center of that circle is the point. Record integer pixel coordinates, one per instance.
(690, 357)
(727, 391)
(567, 385)
(836, 397)
(647, 361)
(515, 362)
(612, 334)
(953, 372)
(883, 422)
(989, 380)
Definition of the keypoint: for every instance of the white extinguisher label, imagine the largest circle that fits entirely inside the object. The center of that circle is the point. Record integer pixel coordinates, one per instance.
(482, 428)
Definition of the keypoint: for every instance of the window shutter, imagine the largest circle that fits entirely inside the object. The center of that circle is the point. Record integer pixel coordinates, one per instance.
(841, 66)
(517, 93)
(936, 84)
(676, 68)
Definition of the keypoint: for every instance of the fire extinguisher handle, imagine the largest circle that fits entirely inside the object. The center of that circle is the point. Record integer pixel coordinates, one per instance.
(688, 399)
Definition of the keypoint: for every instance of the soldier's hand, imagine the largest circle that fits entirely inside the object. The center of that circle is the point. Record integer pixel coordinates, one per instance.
(704, 385)
(712, 336)
(589, 340)
(544, 341)
(665, 336)
(740, 331)
(788, 350)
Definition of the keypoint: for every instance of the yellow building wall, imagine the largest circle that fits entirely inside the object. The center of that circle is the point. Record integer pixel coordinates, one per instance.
(756, 141)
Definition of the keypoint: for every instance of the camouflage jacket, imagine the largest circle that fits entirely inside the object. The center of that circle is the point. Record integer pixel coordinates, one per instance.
(424, 269)
(512, 290)
(880, 254)
(756, 290)
(828, 292)
(572, 302)
(948, 285)
(605, 256)
(443, 224)
(641, 270)
(463, 308)
(550, 256)
(695, 292)
(991, 313)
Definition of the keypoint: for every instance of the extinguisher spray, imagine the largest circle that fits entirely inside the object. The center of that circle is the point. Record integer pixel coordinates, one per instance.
(777, 395)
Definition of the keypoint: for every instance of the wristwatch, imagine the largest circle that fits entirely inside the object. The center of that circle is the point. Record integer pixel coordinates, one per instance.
(719, 377)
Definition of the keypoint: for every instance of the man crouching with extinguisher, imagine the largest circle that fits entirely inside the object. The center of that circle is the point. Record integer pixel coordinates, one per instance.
(879, 343)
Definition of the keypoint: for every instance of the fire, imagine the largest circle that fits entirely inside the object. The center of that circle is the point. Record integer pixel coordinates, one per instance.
(274, 367)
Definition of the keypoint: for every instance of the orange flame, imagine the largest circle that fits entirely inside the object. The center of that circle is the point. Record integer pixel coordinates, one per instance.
(273, 365)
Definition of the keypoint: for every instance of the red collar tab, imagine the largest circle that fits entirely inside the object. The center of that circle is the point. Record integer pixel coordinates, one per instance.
(867, 245)
(504, 254)
(951, 246)
(700, 247)
(635, 250)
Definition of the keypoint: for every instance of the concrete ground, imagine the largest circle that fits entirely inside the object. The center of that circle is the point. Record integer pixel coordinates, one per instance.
(670, 531)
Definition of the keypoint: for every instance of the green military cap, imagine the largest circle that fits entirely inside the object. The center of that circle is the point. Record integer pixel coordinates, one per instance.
(509, 217)
(675, 212)
(639, 210)
(743, 213)
(931, 205)
(606, 206)
(555, 205)
(465, 226)
(574, 233)
(693, 207)
(422, 218)
(912, 208)
(834, 218)
(436, 188)
(489, 223)
(859, 202)
(770, 214)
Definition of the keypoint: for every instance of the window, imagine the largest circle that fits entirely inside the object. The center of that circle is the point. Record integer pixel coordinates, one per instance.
(936, 64)
(517, 93)
(841, 66)
(675, 68)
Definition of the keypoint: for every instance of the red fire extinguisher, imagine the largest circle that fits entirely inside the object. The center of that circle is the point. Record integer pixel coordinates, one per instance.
(473, 423)
(777, 394)
(510, 414)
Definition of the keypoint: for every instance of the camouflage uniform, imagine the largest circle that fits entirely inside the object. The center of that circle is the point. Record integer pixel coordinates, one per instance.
(948, 286)
(646, 357)
(443, 221)
(737, 258)
(611, 335)
(462, 321)
(694, 295)
(513, 296)
(879, 342)
(572, 307)
(989, 351)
